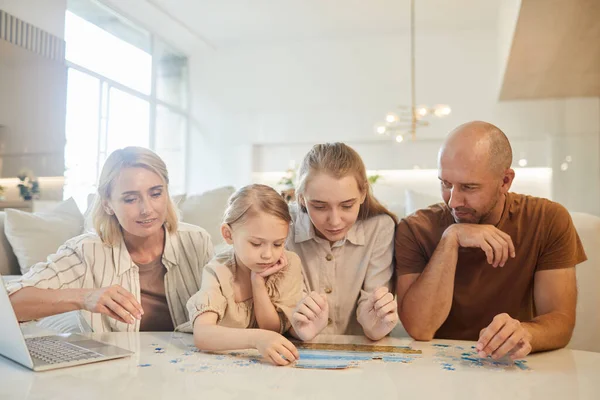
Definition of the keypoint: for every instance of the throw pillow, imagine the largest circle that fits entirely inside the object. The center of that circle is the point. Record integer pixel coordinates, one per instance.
(34, 236)
(206, 210)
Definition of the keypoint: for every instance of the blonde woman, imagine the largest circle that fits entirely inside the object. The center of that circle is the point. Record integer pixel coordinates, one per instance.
(137, 270)
(249, 291)
(345, 239)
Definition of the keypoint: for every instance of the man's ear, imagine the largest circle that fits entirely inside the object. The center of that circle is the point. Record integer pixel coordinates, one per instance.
(507, 181)
(227, 233)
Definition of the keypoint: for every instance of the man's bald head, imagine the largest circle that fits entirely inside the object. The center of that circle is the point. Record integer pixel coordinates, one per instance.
(482, 141)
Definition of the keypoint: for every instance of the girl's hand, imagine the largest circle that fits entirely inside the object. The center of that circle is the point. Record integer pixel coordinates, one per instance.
(273, 346)
(310, 316)
(381, 313)
(279, 265)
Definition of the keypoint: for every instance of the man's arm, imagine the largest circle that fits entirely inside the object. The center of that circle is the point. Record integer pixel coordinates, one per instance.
(555, 296)
(424, 299)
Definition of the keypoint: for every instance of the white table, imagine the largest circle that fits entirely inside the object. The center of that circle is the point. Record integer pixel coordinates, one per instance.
(180, 373)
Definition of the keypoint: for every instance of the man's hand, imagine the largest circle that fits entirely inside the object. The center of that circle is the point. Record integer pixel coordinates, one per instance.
(504, 336)
(114, 301)
(497, 245)
(380, 313)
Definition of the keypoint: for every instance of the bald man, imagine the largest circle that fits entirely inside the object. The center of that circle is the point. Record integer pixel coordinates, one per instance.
(487, 265)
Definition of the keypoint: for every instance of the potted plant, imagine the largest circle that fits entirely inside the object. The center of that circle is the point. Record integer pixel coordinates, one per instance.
(373, 178)
(2, 198)
(288, 183)
(29, 185)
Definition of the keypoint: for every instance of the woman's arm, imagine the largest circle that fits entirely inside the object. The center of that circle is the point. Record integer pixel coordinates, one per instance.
(33, 303)
(54, 287)
(30, 295)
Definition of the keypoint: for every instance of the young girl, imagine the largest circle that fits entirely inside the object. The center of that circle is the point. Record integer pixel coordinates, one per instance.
(345, 239)
(248, 292)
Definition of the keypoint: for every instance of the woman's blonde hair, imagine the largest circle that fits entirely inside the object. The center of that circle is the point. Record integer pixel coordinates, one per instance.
(252, 199)
(107, 226)
(339, 160)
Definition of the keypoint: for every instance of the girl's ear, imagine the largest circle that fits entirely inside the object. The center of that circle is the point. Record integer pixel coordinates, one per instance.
(363, 195)
(227, 233)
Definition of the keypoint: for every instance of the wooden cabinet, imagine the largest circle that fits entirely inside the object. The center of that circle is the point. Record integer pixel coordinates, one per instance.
(17, 205)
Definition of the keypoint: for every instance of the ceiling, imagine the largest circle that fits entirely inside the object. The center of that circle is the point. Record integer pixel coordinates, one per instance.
(555, 51)
(221, 23)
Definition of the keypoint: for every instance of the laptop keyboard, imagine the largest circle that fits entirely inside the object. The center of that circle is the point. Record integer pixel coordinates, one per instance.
(54, 351)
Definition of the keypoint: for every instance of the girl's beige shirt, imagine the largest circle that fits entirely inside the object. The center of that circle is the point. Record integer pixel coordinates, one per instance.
(347, 271)
(217, 295)
(85, 262)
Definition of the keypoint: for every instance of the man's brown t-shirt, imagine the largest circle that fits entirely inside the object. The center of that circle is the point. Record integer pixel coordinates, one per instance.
(544, 238)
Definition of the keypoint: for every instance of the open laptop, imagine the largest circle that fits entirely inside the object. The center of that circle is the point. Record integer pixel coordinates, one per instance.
(48, 352)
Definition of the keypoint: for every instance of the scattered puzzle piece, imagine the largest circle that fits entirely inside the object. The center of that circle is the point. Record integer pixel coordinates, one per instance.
(455, 355)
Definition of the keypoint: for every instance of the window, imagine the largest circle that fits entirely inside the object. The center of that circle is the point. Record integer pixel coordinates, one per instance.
(126, 87)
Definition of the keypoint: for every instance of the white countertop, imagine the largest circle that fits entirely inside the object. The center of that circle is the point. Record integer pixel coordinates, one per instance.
(177, 371)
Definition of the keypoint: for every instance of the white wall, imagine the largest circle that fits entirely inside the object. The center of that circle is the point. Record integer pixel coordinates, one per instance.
(33, 97)
(32, 108)
(48, 15)
(508, 16)
(311, 91)
(270, 102)
(579, 186)
(152, 18)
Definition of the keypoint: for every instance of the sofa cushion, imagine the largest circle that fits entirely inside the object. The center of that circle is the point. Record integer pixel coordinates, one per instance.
(34, 236)
(9, 264)
(206, 210)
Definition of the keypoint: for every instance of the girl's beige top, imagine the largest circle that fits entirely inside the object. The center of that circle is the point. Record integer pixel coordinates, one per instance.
(216, 293)
(347, 271)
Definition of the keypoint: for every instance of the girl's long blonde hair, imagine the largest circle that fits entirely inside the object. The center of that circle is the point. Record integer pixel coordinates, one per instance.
(252, 199)
(339, 160)
(106, 225)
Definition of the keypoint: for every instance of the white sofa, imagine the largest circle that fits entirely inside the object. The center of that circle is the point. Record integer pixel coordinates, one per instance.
(206, 210)
(8, 261)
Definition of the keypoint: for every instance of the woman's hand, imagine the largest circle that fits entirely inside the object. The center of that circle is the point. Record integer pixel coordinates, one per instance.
(114, 301)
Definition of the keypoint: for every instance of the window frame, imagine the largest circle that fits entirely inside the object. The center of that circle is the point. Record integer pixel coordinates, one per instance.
(152, 99)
